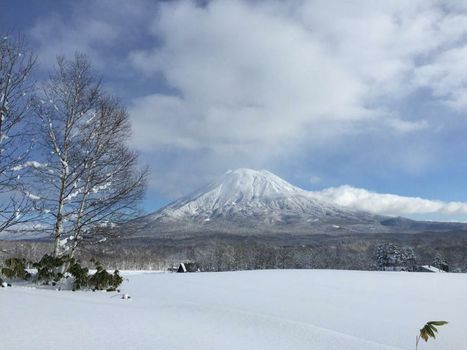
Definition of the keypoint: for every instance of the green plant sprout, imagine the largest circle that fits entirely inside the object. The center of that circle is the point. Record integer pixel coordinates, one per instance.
(428, 331)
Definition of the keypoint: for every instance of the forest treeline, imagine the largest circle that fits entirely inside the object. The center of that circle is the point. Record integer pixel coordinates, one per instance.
(230, 253)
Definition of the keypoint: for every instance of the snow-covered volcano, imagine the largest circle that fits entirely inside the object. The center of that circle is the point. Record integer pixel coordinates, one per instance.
(256, 202)
(245, 193)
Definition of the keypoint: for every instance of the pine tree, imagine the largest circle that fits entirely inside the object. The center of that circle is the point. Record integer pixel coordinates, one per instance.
(382, 256)
(389, 255)
(440, 263)
(409, 259)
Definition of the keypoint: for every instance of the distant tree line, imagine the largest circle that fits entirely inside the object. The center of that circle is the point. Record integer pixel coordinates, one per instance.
(390, 256)
(251, 254)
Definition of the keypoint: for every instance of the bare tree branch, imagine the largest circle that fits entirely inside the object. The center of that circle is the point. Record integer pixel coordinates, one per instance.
(16, 87)
(92, 178)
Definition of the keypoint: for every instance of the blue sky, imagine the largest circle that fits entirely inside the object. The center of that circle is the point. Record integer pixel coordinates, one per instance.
(368, 94)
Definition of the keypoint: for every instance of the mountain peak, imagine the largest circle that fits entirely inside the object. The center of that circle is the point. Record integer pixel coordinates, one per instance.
(247, 199)
(252, 184)
(247, 172)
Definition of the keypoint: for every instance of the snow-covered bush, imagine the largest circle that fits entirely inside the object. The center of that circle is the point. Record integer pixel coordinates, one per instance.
(3, 284)
(63, 271)
(100, 280)
(15, 268)
(103, 280)
(80, 275)
(49, 269)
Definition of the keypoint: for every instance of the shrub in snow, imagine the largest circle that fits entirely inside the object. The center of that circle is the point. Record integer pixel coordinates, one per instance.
(15, 268)
(103, 280)
(100, 280)
(80, 275)
(64, 270)
(49, 269)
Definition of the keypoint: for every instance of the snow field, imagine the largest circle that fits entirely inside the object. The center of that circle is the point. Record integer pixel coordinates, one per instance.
(275, 309)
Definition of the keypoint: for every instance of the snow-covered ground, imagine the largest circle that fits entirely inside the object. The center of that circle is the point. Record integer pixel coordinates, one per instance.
(278, 309)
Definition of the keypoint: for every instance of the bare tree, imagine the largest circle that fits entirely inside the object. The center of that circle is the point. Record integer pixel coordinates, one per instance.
(111, 183)
(16, 64)
(91, 179)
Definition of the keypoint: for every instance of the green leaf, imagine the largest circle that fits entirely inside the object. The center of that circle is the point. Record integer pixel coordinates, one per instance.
(429, 329)
(430, 332)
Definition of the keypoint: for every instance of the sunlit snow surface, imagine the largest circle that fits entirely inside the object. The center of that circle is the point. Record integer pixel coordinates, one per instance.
(277, 309)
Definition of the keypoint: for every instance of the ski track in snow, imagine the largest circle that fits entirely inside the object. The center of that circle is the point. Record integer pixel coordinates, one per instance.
(274, 309)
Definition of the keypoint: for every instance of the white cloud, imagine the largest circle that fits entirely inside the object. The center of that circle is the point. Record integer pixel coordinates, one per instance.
(389, 204)
(249, 83)
(246, 77)
(261, 75)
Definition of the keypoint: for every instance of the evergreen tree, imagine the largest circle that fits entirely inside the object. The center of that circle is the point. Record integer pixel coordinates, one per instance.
(440, 263)
(409, 259)
(382, 257)
(389, 256)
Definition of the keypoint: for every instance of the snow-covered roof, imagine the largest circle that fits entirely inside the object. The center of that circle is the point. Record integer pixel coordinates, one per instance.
(432, 268)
